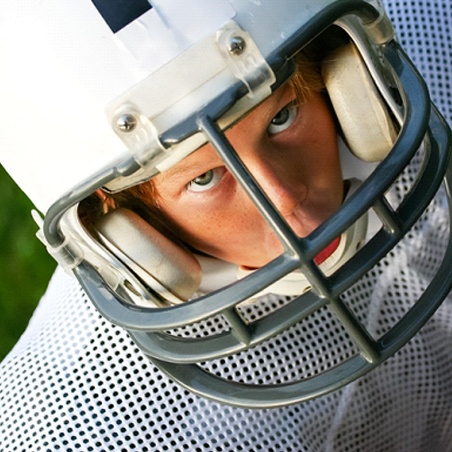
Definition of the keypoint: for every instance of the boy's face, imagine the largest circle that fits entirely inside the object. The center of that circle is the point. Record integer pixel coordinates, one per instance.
(292, 153)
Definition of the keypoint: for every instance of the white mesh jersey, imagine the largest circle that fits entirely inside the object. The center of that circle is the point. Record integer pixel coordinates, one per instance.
(75, 382)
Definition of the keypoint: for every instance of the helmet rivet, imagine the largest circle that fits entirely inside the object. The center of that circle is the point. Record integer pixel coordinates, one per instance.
(126, 123)
(237, 45)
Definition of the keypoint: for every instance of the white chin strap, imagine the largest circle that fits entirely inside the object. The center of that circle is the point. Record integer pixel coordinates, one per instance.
(218, 273)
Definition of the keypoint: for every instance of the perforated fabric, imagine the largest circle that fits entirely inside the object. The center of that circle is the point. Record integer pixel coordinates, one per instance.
(424, 29)
(76, 382)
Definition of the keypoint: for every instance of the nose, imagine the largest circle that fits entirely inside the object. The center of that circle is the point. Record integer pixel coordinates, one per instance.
(284, 190)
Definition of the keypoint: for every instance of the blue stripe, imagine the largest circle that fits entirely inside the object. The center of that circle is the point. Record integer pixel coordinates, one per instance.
(119, 13)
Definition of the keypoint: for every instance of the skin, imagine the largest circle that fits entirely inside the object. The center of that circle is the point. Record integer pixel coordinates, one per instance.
(292, 152)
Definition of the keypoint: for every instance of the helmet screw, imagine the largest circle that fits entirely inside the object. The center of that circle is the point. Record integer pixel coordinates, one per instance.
(237, 45)
(126, 123)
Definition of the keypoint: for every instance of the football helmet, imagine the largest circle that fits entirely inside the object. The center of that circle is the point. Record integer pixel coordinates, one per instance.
(104, 95)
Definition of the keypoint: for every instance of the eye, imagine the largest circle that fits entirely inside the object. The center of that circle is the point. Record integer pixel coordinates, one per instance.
(284, 119)
(206, 181)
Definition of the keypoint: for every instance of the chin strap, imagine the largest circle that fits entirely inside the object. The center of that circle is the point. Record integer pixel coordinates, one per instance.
(218, 273)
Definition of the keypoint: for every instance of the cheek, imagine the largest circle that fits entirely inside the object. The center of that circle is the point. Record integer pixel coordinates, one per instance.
(235, 232)
(209, 224)
(234, 227)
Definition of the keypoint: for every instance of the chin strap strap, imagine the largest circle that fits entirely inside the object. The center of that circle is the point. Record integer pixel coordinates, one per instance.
(218, 273)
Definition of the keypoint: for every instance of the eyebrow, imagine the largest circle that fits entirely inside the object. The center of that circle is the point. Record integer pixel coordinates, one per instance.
(185, 172)
(176, 171)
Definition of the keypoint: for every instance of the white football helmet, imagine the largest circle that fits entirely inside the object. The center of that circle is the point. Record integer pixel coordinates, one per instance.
(107, 94)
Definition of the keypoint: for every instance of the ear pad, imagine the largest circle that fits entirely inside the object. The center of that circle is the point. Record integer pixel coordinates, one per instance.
(156, 260)
(366, 123)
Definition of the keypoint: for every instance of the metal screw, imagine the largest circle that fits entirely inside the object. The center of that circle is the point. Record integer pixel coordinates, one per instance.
(126, 123)
(237, 45)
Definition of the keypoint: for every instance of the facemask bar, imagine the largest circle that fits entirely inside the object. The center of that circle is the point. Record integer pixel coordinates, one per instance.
(176, 356)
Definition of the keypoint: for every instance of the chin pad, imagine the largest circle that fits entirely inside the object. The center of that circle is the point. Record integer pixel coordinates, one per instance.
(157, 261)
(366, 124)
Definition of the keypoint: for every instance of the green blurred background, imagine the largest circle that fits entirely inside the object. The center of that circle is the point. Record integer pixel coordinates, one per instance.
(25, 266)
